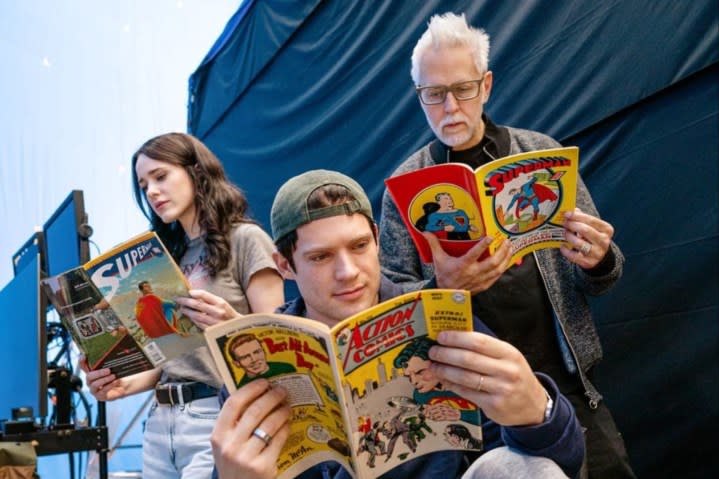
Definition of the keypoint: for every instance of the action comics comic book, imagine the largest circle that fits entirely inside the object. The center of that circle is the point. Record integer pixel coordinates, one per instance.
(522, 197)
(361, 393)
(119, 307)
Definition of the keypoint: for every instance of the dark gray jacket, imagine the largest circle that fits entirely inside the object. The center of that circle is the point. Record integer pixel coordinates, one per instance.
(565, 283)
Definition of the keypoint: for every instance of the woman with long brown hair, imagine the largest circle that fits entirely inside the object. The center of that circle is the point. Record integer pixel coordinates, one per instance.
(201, 217)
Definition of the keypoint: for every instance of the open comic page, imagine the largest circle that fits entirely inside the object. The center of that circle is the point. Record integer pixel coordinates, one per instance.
(397, 408)
(294, 353)
(140, 281)
(524, 198)
(94, 327)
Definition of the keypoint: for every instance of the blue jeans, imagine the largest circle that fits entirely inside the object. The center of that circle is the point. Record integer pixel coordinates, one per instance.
(176, 442)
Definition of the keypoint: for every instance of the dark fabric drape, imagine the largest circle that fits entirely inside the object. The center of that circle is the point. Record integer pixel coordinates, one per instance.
(292, 86)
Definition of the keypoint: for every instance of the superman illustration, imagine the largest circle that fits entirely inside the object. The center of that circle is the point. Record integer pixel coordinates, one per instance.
(437, 403)
(155, 316)
(444, 220)
(531, 194)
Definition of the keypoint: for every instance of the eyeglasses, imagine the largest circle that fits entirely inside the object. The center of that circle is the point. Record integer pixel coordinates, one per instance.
(436, 94)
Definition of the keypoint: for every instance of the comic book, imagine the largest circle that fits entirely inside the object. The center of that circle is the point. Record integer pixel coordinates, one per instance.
(119, 308)
(360, 392)
(521, 197)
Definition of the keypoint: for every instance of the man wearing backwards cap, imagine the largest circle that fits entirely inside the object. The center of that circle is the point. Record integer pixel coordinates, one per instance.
(326, 239)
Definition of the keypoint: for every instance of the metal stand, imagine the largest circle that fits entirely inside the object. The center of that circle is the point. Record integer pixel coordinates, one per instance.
(60, 441)
(63, 435)
(102, 453)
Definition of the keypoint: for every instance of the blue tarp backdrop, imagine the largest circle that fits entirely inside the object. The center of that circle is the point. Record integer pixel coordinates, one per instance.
(292, 86)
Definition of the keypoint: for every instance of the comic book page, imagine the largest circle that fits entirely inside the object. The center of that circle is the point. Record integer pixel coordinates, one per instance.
(139, 281)
(521, 197)
(524, 198)
(95, 328)
(294, 353)
(397, 409)
(442, 200)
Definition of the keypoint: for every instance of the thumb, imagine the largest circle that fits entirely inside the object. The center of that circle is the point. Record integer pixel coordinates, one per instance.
(437, 250)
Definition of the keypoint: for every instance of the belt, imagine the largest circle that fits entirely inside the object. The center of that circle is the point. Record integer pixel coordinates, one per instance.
(182, 393)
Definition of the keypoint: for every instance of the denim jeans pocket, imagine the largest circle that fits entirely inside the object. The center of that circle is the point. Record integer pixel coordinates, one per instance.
(207, 408)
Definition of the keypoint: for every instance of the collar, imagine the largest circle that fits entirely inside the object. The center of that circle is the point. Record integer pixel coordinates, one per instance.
(494, 144)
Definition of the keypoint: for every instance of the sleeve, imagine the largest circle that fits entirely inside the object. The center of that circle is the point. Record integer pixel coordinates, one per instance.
(601, 278)
(253, 250)
(559, 439)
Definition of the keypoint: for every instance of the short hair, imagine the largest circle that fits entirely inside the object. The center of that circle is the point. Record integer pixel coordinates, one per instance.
(418, 347)
(463, 433)
(448, 31)
(142, 283)
(441, 194)
(322, 197)
(239, 340)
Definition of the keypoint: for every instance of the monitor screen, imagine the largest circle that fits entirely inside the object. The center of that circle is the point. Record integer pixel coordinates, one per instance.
(23, 343)
(27, 252)
(65, 246)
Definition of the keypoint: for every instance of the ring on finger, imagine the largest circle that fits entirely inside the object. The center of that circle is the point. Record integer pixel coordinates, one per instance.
(586, 248)
(479, 383)
(261, 434)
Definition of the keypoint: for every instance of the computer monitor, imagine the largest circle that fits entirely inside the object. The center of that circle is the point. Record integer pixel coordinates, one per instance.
(23, 356)
(66, 235)
(27, 252)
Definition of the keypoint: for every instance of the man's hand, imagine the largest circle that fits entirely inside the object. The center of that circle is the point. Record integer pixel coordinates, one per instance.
(467, 271)
(491, 373)
(239, 452)
(205, 308)
(590, 236)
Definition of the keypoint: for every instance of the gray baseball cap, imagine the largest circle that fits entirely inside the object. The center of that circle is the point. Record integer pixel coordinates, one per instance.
(290, 210)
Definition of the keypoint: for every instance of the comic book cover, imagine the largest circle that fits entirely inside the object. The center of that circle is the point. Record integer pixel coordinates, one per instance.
(354, 390)
(95, 328)
(397, 407)
(521, 197)
(130, 293)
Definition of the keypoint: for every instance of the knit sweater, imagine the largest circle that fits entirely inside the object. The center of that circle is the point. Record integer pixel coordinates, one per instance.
(565, 283)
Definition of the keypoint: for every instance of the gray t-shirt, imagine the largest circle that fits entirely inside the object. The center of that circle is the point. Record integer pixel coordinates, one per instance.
(251, 251)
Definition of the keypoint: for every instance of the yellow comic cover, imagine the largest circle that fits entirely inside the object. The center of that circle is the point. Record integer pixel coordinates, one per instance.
(361, 393)
(521, 197)
(525, 197)
(294, 353)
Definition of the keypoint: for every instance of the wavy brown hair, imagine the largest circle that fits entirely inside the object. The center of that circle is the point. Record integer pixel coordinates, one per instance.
(220, 204)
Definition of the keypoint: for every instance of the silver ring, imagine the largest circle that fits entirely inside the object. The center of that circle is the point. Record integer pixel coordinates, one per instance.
(479, 384)
(585, 249)
(259, 433)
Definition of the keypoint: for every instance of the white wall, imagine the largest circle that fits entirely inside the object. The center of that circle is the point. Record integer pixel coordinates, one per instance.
(82, 84)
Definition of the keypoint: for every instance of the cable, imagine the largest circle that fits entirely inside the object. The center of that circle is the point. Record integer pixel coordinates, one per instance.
(97, 248)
